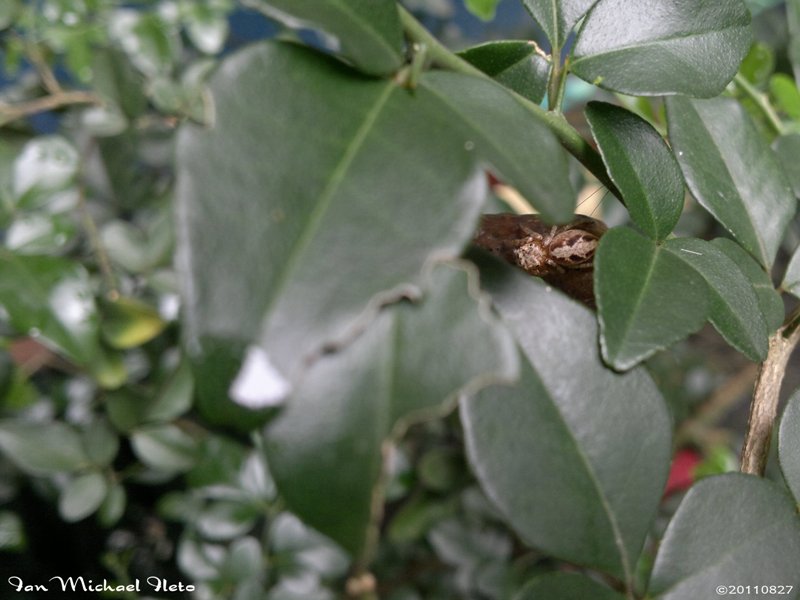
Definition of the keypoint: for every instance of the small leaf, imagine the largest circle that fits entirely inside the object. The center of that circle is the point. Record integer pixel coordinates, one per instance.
(368, 30)
(45, 164)
(769, 300)
(82, 496)
(565, 586)
(641, 165)
(665, 47)
(735, 311)
(758, 64)
(519, 145)
(483, 9)
(327, 442)
(51, 298)
(128, 323)
(12, 532)
(42, 448)
(787, 148)
(557, 17)
(716, 538)
(113, 506)
(732, 172)
(516, 64)
(100, 442)
(164, 448)
(226, 520)
(150, 42)
(647, 298)
(787, 97)
(540, 449)
(789, 444)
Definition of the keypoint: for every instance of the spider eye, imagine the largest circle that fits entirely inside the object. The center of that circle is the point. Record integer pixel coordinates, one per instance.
(573, 247)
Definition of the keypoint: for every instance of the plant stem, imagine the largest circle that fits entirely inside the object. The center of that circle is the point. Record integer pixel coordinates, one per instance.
(764, 407)
(11, 112)
(761, 101)
(566, 134)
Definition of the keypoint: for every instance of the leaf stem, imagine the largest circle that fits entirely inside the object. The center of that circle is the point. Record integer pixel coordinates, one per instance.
(566, 134)
(762, 102)
(764, 406)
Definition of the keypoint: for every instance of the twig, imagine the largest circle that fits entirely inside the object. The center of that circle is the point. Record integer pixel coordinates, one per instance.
(12, 112)
(566, 134)
(764, 407)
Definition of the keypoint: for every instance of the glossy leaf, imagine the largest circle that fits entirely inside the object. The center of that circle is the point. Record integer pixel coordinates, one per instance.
(82, 496)
(42, 448)
(100, 442)
(51, 298)
(769, 300)
(164, 448)
(789, 444)
(557, 17)
(641, 165)
(46, 164)
(665, 47)
(787, 148)
(732, 172)
(305, 206)
(368, 30)
(540, 449)
(734, 311)
(786, 94)
(717, 538)
(128, 322)
(520, 147)
(647, 298)
(324, 450)
(565, 586)
(515, 64)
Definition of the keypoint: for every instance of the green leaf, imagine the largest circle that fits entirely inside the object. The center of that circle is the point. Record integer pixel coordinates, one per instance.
(791, 280)
(665, 47)
(516, 64)
(368, 31)
(51, 298)
(732, 172)
(789, 444)
(389, 187)
(647, 298)
(40, 233)
(769, 300)
(793, 20)
(541, 449)
(324, 449)
(518, 144)
(226, 520)
(641, 165)
(46, 164)
(565, 586)
(735, 311)
(758, 64)
(82, 496)
(557, 17)
(787, 148)
(129, 323)
(100, 442)
(787, 97)
(164, 448)
(113, 506)
(151, 43)
(730, 529)
(12, 532)
(483, 9)
(42, 448)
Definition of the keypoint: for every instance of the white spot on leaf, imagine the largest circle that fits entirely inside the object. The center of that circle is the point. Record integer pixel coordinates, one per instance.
(259, 384)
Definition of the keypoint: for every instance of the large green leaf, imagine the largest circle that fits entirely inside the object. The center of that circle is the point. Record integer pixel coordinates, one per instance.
(789, 444)
(769, 300)
(51, 298)
(787, 148)
(565, 586)
(647, 298)
(729, 530)
(377, 181)
(655, 47)
(516, 64)
(368, 30)
(542, 449)
(519, 146)
(557, 17)
(325, 448)
(793, 20)
(735, 310)
(641, 165)
(732, 172)
(42, 448)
